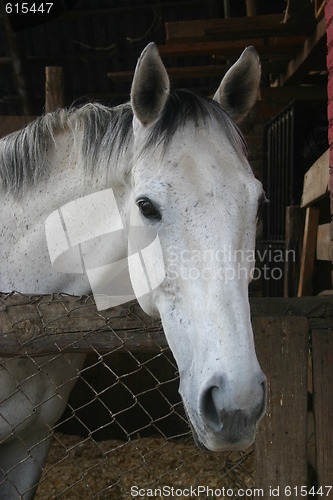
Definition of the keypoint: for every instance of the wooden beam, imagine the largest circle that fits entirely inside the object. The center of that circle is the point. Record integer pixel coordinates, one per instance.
(57, 323)
(314, 48)
(278, 94)
(208, 71)
(324, 243)
(234, 28)
(308, 251)
(272, 47)
(316, 181)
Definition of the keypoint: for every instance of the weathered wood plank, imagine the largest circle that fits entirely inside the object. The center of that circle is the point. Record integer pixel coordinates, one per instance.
(313, 308)
(294, 235)
(314, 47)
(59, 307)
(208, 71)
(46, 324)
(234, 28)
(277, 47)
(308, 251)
(324, 243)
(322, 353)
(104, 341)
(219, 70)
(280, 446)
(316, 181)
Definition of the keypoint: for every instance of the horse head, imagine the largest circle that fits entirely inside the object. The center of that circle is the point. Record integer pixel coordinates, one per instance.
(194, 188)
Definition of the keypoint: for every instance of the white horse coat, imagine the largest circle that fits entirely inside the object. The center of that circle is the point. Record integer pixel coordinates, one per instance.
(177, 167)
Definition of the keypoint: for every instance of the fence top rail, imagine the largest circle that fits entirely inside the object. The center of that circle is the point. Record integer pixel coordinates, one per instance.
(44, 324)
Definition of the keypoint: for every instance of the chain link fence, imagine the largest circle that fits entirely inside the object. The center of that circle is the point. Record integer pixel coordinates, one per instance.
(123, 433)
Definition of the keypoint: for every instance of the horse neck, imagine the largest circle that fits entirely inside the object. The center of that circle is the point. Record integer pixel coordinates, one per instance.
(72, 176)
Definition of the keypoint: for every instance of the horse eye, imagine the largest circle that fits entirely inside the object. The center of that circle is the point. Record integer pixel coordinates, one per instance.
(261, 203)
(147, 209)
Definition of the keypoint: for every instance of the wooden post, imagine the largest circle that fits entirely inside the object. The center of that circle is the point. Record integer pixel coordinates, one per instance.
(281, 442)
(308, 251)
(294, 236)
(329, 62)
(322, 348)
(251, 8)
(54, 88)
(226, 5)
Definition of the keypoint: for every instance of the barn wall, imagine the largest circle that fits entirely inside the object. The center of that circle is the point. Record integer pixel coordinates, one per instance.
(329, 29)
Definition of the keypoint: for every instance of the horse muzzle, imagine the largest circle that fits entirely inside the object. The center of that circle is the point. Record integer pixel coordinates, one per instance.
(220, 424)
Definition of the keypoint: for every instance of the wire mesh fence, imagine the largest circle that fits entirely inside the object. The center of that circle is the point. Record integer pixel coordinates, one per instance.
(123, 432)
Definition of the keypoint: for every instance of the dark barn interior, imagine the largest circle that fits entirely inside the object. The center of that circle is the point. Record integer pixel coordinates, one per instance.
(88, 49)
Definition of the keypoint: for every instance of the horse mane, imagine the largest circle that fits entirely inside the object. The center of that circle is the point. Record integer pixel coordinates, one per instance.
(182, 107)
(23, 154)
(105, 132)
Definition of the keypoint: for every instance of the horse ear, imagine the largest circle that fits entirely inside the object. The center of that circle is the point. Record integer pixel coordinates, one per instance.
(150, 87)
(238, 90)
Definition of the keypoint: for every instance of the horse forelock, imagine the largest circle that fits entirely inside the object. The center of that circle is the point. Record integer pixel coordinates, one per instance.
(106, 135)
(184, 107)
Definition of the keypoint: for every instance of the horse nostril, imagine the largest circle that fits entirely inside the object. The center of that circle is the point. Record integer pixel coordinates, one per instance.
(263, 404)
(209, 409)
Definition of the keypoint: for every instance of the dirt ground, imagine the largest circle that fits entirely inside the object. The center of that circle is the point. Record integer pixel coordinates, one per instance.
(79, 468)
